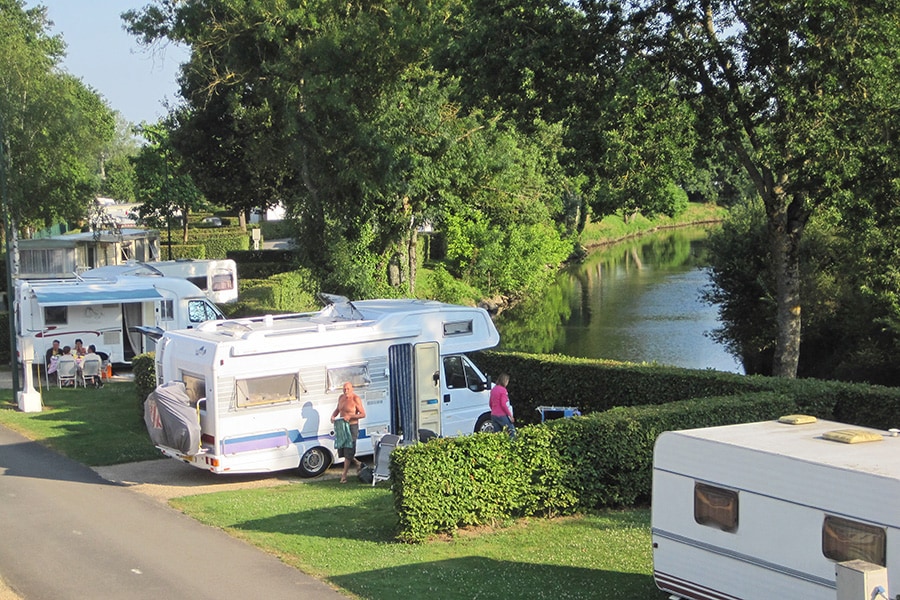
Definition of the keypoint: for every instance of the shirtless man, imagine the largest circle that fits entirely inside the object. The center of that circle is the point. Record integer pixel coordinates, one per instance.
(350, 410)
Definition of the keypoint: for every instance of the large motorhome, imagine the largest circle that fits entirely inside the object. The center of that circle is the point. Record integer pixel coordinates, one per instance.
(767, 510)
(265, 387)
(217, 278)
(108, 313)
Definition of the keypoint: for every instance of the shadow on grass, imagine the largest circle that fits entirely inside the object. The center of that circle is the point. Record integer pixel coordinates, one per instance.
(95, 427)
(487, 579)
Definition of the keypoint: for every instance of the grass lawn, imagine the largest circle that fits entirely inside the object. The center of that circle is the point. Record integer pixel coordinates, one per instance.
(344, 534)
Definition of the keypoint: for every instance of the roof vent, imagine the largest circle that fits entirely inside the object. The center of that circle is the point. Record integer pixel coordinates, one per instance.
(797, 419)
(852, 436)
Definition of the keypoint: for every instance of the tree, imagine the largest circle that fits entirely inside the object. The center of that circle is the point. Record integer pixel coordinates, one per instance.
(163, 188)
(790, 88)
(52, 125)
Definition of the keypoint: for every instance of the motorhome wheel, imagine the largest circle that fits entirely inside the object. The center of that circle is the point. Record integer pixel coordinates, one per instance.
(314, 462)
(484, 424)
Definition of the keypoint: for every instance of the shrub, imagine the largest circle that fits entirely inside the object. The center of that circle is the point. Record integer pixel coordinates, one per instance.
(582, 463)
(144, 368)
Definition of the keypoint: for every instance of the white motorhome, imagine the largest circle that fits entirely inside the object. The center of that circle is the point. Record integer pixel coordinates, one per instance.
(265, 387)
(107, 313)
(766, 510)
(217, 278)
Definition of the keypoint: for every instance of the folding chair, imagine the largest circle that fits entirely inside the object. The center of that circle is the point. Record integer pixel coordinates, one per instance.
(90, 372)
(67, 372)
(386, 445)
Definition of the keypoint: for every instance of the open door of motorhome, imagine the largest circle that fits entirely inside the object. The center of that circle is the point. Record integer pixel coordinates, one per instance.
(428, 388)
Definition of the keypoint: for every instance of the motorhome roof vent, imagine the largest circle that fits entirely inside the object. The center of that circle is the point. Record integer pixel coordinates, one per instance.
(797, 419)
(852, 436)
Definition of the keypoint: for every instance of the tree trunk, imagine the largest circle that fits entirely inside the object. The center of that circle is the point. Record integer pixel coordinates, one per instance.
(787, 221)
(412, 257)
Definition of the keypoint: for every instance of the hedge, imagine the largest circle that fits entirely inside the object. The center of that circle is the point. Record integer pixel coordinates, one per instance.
(195, 251)
(598, 385)
(563, 466)
(144, 368)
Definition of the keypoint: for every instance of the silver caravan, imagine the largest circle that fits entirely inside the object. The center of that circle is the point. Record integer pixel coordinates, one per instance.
(217, 278)
(108, 313)
(768, 510)
(265, 387)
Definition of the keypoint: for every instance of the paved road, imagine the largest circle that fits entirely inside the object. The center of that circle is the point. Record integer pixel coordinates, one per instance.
(69, 534)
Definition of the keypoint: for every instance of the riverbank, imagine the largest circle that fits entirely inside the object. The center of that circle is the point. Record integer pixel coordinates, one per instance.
(613, 228)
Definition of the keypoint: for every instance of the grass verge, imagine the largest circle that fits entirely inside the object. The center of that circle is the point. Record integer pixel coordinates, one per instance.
(94, 427)
(343, 534)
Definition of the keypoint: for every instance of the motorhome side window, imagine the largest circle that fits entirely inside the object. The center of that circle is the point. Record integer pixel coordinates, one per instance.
(716, 507)
(195, 386)
(56, 315)
(275, 389)
(358, 375)
(454, 372)
(222, 282)
(166, 310)
(843, 539)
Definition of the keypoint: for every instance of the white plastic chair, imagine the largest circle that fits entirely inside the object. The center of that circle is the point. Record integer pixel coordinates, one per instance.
(67, 371)
(90, 371)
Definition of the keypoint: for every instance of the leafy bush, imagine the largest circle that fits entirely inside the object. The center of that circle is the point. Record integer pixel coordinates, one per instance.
(195, 251)
(144, 368)
(583, 463)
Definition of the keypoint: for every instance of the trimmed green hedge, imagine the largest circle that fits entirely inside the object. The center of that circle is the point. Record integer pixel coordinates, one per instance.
(144, 368)
(598, 385)
(195, 251)
(262, 264)
(563, 466)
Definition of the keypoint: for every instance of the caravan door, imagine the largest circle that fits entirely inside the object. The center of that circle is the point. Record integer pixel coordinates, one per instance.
(428, 388)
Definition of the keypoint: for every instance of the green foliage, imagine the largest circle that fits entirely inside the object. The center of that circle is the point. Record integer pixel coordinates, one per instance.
(53, 128)
(260, 264)
(566, 465)
(290, 292)
(278, 230)
(143, 366)
(195, 251)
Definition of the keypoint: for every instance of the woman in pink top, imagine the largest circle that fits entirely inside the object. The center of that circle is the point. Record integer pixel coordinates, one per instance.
(501, 411)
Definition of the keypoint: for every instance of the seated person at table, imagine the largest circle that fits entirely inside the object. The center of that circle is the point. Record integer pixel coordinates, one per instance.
(53, 355)
(66, 356)
(79, 350)
(92, 359)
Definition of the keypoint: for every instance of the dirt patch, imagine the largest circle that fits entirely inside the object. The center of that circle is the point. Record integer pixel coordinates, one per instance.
(166, 479)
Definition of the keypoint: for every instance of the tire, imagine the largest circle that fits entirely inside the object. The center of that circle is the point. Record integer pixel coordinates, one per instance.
(314, 462)
(484, 424)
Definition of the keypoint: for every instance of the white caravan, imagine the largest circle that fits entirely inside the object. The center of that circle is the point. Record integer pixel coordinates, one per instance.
(217, 278)
(766, 510)
(108, 313)
(265, 387)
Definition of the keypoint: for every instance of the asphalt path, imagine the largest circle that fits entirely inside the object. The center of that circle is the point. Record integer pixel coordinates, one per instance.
(67, 533)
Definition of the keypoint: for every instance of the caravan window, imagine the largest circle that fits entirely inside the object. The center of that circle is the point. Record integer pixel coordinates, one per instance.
(358, 375)
(222, 282)
(56, 315)
(275, 389)
(166, 310)
(195, 386)
(458, 328)
(843, 539)
(716, 507)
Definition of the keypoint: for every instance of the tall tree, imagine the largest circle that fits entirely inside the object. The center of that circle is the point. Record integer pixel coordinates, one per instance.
(54, 126)
(790, 88)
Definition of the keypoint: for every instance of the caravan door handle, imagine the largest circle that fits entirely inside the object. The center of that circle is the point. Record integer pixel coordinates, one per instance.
(446, 397)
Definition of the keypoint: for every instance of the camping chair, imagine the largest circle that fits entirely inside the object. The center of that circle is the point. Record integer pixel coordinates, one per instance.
(90, 372)
(383, 451)
(67, 372)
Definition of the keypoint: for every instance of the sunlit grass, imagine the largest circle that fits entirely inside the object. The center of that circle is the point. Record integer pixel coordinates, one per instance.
(344, 534)
(94, 427)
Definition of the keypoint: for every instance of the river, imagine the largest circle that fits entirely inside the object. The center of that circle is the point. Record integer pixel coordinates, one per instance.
(636, 301)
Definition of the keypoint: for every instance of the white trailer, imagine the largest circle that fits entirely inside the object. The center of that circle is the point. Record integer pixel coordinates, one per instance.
(766, 510)
(217, 278)
(265, 387)
(108, 313)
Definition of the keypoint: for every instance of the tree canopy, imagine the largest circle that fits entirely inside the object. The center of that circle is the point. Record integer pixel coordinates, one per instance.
(52, 125)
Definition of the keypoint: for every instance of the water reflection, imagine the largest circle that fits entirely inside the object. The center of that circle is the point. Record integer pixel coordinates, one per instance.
(637, 301)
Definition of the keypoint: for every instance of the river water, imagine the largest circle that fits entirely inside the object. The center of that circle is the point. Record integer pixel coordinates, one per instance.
(637, 301)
